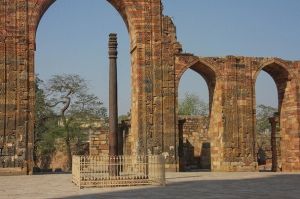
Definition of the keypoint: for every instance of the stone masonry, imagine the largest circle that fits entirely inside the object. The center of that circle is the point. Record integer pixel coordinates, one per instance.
(157, 64)
(98, 142)
(231, 83)
(194, 150)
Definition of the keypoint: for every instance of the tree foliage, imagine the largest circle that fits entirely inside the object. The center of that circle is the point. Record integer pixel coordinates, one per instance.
(191, 104)
(263, 113)
(71, 109)
(263, 129)
(124, 117)
(45, 120)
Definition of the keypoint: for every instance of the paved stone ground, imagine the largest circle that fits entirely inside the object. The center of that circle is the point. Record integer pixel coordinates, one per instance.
(179, 185)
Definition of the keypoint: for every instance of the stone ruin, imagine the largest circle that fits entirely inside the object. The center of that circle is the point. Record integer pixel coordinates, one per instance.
(194, 143)
(157, 62)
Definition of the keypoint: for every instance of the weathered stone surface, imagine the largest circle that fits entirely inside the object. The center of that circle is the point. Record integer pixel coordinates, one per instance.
(157, 64)
(98, 142)
(194, 143)
(231, 85)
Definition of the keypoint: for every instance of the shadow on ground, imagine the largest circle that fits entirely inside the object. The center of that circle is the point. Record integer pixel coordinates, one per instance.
(278, 186)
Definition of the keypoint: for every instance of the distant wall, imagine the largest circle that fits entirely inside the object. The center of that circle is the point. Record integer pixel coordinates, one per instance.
(195, 142)
(99, 142)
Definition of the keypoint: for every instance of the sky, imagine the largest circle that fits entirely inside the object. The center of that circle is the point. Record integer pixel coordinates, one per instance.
(72, 38)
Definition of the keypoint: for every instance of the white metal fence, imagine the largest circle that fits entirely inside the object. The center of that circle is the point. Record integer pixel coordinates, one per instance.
(104, 171)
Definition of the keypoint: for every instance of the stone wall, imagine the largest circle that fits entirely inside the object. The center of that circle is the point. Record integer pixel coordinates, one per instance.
(231, 81)
(98, 142)
(157, 64)
(194, 142)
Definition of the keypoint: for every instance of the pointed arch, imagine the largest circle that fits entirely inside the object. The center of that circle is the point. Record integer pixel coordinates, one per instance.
(40, 7)
(206, 71)
(287, 86)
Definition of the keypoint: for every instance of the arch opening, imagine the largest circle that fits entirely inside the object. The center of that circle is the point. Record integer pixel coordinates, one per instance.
(67, 50)
(41, 7)
(270, 106)
(194, 105)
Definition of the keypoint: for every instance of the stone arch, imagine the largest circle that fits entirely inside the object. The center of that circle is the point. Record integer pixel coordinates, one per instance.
(41, 6)
(205, 70)
(283, 76)
(148, 33)
(201, 147)
(287, 86)
(279, 74)
(266, 63)
(36, 11)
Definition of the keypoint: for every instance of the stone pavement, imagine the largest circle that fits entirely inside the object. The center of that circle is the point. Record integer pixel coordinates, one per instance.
(179, 185)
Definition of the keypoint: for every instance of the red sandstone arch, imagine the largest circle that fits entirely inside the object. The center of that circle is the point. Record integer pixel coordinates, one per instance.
(208, 72)
(41, 6)
(282, 63)
(37, 10)
(200, 66)
(287, 88)
(279, 74)
(152, 40)
(205, 70)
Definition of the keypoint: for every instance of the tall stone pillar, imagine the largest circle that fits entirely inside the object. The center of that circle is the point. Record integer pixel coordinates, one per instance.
(121, 137)
(182, 161)
(275, 143)
(113, 95)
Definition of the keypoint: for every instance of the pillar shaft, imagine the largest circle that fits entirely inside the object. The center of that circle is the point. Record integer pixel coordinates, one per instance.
(113, 95)
(182, 158)
(274, 142)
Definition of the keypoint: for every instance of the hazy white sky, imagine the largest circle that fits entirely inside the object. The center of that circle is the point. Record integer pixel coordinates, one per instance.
(72, 38)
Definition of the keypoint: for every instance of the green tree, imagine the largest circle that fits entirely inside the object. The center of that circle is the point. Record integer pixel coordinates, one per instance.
(75, 108)
(263, 113)
(191, 104)
(124, 117)
(44, 121)
(46, 145)
(263, 129)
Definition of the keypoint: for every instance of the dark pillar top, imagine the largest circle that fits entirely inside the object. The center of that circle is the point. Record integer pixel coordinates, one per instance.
(113, 95)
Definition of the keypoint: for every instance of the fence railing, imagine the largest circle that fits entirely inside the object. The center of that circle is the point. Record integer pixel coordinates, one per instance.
(105, 171)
